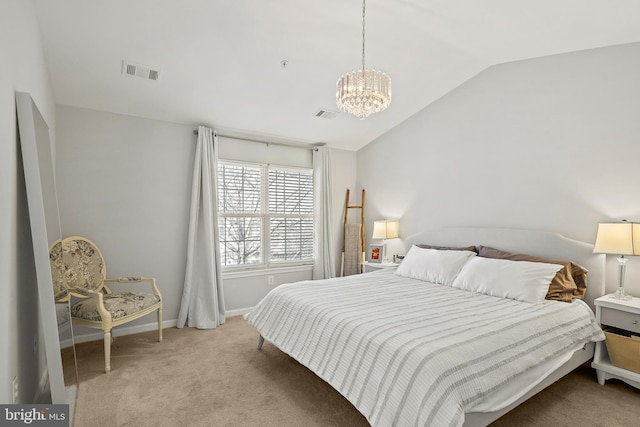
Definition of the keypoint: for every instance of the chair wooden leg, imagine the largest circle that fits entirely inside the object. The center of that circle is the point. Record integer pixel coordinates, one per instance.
(160, 324)
(107, 351)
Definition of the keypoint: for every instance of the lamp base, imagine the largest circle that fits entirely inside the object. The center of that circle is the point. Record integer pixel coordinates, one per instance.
(620, 294)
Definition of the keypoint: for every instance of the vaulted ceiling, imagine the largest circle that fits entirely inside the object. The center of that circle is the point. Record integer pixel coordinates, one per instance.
(219, 61)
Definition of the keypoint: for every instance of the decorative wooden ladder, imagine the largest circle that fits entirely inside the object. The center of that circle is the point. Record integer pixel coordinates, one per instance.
(346, 215)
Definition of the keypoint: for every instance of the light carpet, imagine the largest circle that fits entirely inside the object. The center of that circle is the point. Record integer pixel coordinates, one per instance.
(217, 378)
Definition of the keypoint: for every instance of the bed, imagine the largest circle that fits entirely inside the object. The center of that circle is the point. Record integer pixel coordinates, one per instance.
(409, 352)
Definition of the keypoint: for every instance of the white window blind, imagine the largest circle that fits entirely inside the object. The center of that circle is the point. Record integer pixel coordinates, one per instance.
(266, 214)
(291, 215)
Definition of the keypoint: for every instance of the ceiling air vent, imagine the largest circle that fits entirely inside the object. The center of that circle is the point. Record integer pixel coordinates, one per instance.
(137, 70)
(325, 114)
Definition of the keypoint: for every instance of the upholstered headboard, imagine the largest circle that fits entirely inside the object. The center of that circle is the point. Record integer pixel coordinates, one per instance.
(531, 242)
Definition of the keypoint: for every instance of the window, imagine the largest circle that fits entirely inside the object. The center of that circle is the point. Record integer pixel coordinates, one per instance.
(266, 214)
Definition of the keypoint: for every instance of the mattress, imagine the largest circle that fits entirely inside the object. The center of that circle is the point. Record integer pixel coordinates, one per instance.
(413, 353)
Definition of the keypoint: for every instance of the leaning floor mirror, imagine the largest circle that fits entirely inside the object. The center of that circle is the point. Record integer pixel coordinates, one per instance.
(44, 218)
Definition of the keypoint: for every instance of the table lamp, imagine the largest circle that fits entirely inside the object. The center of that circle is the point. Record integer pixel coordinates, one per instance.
(620, 238)
(385, 229)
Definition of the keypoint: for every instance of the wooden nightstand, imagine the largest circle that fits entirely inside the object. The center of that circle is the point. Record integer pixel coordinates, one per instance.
(368, 267)
(619, 314)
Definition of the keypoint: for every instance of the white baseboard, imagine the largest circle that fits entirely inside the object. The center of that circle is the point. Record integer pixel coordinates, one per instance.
(65, 343)
(238, 311)
(129, 330)
(122, 331)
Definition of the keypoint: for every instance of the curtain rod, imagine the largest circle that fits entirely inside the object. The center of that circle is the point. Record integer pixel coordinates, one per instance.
(283, 144)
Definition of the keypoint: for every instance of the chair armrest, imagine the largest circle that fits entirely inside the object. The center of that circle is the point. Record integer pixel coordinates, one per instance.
(86, 293)
(131, 279)
(81, 292)
(150, 280)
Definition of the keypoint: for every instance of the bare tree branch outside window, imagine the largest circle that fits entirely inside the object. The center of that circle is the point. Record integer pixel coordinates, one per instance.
(266, 214)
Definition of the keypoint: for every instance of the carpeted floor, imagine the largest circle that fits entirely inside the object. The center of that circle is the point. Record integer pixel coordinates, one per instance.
(218, 378)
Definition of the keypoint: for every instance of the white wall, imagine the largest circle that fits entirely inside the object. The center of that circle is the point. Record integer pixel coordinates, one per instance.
(551, 143)
(22, 69)
(125, 183)
(343, 166)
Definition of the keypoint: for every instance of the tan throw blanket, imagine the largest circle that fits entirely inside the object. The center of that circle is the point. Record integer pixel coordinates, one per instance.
(352, 249)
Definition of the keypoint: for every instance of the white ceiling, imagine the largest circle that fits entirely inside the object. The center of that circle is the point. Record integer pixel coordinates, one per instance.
(219, 60)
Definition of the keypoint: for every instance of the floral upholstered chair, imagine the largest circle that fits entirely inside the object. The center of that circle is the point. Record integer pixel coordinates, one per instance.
(79, 270)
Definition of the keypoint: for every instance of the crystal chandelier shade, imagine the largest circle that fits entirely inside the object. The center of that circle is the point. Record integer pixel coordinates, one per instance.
(363, 92)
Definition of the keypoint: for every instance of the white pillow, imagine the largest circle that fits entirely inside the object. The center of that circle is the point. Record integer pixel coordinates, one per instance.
(433, 265)
(519, 280)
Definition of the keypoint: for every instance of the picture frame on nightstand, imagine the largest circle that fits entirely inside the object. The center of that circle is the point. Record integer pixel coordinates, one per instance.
(376, 253)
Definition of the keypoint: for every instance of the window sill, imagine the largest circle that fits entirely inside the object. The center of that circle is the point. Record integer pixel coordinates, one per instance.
(265, 271)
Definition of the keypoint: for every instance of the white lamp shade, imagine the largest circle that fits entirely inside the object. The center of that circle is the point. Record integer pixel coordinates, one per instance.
(386, 229)
(620, 238)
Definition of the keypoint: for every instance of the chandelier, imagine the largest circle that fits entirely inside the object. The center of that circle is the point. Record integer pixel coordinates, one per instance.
(363, 92)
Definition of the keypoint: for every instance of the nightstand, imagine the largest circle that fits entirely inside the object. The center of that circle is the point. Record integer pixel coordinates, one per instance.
(619, 314)
(368, 267)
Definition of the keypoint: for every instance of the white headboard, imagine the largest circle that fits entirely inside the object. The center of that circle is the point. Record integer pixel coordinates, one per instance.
(531, 242)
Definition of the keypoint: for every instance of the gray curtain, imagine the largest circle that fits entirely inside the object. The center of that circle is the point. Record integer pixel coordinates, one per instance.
(324, 263)
(202, 303)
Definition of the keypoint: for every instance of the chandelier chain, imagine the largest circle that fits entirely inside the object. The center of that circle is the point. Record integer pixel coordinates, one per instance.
(363, 12)
(363, 92)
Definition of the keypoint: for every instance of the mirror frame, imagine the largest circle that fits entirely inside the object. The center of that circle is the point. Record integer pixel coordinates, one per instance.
(25, 107)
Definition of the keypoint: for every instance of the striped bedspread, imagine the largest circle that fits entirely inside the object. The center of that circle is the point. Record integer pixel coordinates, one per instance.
(412, 353)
